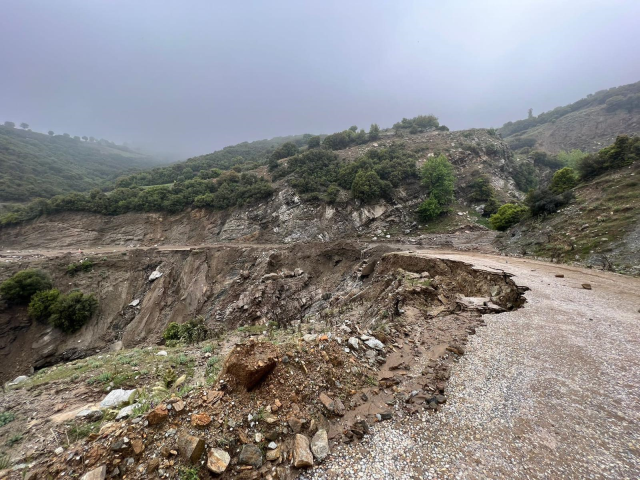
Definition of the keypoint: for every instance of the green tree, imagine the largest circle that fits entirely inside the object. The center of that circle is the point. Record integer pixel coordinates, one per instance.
(9, 124)
(314, 142)
(41, 303)
(288, 149)
(429, 209)
(70, 312)
(85, 138)
(438, 176)
(51, 133)
(508, 215)
(563, 180)
(353, 128)
(24, 125)
(23, 285)
(366, 186)
(374, 132)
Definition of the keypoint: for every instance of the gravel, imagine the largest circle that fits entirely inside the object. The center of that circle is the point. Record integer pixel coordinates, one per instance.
(549, 391)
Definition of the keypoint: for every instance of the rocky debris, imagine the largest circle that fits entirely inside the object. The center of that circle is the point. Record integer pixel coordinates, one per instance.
(302, 456)
(118, 397)
(360, 428)
(190, 447)
(250, 455)
(200, 420)
(217, 460)
(99, 473)
(320, 445)
(333, 406)
(249, 363)
(586, 286)
(155, 275)
(90, 415)
(158, 415)
(374, 343)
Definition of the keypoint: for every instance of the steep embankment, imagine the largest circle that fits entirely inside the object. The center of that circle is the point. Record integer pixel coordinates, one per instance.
(601, 227)
(288, 216)
(589, 124)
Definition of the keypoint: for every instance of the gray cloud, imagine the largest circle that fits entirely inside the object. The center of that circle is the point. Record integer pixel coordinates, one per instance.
(192, 77)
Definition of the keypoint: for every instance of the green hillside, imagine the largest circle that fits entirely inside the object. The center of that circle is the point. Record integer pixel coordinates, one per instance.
(35, 165)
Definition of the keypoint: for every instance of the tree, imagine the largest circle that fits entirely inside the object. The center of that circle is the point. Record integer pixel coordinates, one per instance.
(438, 176)
(41, 303)
(288, 149)
(374, 132)
(24, 126)
(366, 186)
(429, 209)
(92, 140)
(50, 132)
(85, 138)
(76, 137)
(70, 312)
(353, 128)
(9, 124)
(23, 285)
(563, 180)
(530, 113)
(66, 135)
(314, 142)
(508, 215)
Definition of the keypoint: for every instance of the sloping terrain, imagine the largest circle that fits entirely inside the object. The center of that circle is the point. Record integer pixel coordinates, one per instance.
(589, 124)
(35, 165)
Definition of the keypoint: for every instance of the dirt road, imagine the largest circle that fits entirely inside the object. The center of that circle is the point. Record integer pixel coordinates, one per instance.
(546, 392)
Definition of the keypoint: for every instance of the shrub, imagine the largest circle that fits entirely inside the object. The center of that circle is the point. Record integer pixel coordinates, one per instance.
(367, 186)
(41, 303)
(374, 131)
(6, 417)
(429, 209)
(507, 215)
(23, 285)
(624, 151)
(481, 189)
(332, 193)
(438, 176)
(563, 180)
(546, 160)
(570, 159)
(70, 312)
(314, 142)
(521, 142)
(83, 266)
(189, 332)
(544, 201)
(525, 176)
(285, 150)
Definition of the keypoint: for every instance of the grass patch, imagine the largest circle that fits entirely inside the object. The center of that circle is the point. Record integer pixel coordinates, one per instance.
(13, 439)
(6, 418)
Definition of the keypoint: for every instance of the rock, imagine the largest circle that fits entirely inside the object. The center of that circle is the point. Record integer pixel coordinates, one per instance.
(178, 406)
(200, 420)
(273, 455)
(309, 337)
(559, 275)
(217, 460)
(126, 411)
(354, 343)
(162, 353)
(272, 446)
(295, 424)
(288, 274)
(360, 428)
(117, 398)
(375, 343)
(302, 456)
(157, 415)
(90, 415)
(99, 473)
(190, 447)
(298, 272)
(137, 445)
(154, 463)
(250, 363)
(333, 406)
(135, 303)
(270, 276)
(320, 445)
(59, 451)
(18, 380)
(154, 275)
(586, 286)
(250, 455)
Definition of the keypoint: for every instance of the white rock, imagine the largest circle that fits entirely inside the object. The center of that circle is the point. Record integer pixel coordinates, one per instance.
(354, 343)
(126, 411)
(272, 446)
(309, 337)
(117, 397)
(135, 303)
(154, 275)
(375, 343)
(19, 380)
(59, 450)
(162, 353)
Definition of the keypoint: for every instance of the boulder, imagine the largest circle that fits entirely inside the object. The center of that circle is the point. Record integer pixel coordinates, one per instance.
(250, 455)
(190, 447)
(217, 460)
(18, 380)
(99, 473)
(157, 415)
(250, 363)
(302, 456)
(333, 406)
(200, 420)
(118, 397)
(375, 344)
(90, 415)
(154, 275)
(320, 445)
(126, 412)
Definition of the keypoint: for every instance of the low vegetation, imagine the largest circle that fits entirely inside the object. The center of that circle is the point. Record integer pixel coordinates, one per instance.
(68, 312)
(193, 331)
(437, 175)
(19, 289)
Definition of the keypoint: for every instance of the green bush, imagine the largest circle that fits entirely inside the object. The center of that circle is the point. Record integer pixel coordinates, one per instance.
(623, 152)
(367, 186)
(85, 265)
(288, 149)
(374, 131)
(192, 331)
(525, 176)
(314, 142)
(70, 312)
(508, 215)
(543, 201)
(429, 209)
(41, 303)
(6, 417)
(23, 285)
(563, 180)
(438, 176)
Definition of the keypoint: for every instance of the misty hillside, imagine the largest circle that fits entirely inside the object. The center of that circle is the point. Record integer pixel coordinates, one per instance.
(36, 165)
(588, 124)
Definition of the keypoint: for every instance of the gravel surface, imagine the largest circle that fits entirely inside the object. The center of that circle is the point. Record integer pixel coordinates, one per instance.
(551, 391)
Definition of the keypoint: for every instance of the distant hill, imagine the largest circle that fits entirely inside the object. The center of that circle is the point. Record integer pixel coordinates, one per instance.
(588, 124)
(36, 165)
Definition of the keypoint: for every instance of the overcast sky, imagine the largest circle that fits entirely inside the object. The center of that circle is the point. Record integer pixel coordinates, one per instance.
(193, 76)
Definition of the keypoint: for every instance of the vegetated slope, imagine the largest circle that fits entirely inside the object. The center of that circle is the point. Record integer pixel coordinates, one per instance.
(300, 200)
(35, 165)
(588, 124)
(601, 227)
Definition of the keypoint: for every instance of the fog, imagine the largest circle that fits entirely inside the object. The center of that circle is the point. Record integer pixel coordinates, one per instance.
(191, 77)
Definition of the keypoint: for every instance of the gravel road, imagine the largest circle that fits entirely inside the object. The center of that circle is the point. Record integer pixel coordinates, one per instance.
(551, 391)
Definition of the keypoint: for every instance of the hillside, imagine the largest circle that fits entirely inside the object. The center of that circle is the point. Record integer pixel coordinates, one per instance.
(588, 124)
(35, 165)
